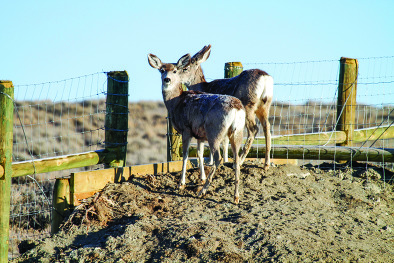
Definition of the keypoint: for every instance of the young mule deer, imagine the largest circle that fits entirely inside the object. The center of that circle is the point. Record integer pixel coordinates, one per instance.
(253, 87)
(203, 116)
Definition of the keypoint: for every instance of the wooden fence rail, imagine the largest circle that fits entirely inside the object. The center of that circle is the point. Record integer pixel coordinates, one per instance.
(329, 153)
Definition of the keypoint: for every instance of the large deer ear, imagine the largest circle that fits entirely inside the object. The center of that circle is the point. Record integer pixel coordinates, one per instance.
(184, 61)
(154, 61)
(202, 55)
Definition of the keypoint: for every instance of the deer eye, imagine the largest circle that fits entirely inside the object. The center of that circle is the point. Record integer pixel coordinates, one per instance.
(185, 69)
(174, 71)
(161, 70)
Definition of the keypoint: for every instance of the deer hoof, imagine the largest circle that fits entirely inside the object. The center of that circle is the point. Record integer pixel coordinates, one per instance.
(198, 189)
(266, 167)
(181, 186)
(236, 200)
(201, 193)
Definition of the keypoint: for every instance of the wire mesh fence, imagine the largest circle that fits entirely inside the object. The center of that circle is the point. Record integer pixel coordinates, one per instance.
(51, 119)
(305, 98)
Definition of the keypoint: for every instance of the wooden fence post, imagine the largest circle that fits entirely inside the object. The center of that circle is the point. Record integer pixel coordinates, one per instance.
(6, 141)
(116, 118)
(347, 92)
(232, 69)
(61, 203)
(174, 140)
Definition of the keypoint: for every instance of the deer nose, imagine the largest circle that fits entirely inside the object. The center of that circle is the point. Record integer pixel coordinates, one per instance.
(167, 80)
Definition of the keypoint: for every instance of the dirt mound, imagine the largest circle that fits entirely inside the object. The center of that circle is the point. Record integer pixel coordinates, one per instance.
(286, 214)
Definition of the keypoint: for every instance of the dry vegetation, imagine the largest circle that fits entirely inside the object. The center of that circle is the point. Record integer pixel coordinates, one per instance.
(66, 128)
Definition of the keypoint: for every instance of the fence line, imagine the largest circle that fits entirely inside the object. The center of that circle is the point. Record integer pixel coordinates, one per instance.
(375, 80)
(305, 103)
(84, 111)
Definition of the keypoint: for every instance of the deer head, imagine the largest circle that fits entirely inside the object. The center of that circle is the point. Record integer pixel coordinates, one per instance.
(188, 69)
(193, 73)
(171, 72)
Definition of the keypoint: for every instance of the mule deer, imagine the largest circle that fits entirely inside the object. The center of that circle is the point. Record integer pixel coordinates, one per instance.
(203, 116)
(253, 87)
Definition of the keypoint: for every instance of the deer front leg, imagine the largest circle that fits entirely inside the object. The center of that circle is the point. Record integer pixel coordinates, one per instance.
(200, 154)
(185, 149)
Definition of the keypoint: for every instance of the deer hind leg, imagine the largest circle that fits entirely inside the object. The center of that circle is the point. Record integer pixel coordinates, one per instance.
(252, 129)
(225, 149)
(200, 154)
(263, 114)
(236, 141)
(215, 149)
(225, 152)
(185, 148)
(210, 158)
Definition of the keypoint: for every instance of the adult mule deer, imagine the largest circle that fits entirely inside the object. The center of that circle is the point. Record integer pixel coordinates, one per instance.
(203, 116)
(253, 87)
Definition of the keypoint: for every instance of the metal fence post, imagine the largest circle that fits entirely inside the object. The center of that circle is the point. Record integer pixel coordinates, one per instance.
(347, 92)
(6, 141)
(116, 118)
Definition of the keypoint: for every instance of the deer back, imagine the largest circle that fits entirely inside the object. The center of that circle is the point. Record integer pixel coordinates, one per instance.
(251, 86)
(196, 111)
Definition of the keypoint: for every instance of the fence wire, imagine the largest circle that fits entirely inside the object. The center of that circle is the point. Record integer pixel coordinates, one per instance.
(51, 119)
(305, 99)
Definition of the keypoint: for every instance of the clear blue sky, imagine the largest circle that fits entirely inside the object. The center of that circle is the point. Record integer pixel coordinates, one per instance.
(45, 41)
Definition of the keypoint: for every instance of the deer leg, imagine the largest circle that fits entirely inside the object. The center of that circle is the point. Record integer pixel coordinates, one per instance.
(216, 155)
(210, 158)
(252, 128)
(185, 148)
(263, 117)
(225, 149)
(235, 146)
(200, 154)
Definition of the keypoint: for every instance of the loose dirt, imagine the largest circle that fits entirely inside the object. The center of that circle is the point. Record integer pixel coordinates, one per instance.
(286, 214)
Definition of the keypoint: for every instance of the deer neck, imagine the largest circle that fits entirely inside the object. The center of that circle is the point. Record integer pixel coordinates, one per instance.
(171, 96)
(197, 78)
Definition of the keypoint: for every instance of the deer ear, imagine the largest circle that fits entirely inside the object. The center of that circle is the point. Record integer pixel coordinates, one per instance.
(202, 55)
(184, 61)
(154, 61)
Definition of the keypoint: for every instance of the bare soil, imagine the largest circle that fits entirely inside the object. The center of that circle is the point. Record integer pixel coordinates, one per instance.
(286, 214)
